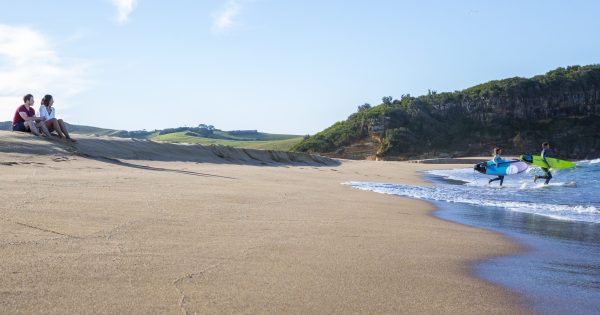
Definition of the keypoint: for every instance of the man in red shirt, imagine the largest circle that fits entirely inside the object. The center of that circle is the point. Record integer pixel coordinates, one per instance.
(25, 120)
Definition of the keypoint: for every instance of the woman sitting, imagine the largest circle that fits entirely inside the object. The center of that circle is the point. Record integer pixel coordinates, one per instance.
(49, 114)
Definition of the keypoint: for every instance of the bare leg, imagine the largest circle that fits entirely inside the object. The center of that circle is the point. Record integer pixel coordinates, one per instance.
(56, 126)
(31, 125)
(64, 130)
(49, 124)
(44, 129)
(52, 125)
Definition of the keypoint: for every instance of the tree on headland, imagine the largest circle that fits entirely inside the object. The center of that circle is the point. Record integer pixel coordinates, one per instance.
(364, 107)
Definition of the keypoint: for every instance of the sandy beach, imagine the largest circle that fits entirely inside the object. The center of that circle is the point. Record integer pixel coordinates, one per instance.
(124, 226)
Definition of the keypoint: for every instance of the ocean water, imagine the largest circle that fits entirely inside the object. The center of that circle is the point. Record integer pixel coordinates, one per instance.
(559, 224)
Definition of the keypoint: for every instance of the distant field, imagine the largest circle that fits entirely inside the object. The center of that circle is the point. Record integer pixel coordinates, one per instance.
(259, 140)
(271, 142)
(252, 137)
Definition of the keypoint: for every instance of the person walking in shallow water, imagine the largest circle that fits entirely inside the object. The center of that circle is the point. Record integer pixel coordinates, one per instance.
(497, 159)
(544, 154)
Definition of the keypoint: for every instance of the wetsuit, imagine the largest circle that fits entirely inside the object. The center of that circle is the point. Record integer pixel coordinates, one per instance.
(497, 159)
(548, 175)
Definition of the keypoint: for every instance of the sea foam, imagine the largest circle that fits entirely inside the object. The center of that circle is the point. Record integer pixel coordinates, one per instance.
(571, 195)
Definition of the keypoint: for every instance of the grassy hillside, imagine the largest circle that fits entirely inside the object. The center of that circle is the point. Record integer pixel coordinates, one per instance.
(239, 139)
(267, 142)
(253, 137)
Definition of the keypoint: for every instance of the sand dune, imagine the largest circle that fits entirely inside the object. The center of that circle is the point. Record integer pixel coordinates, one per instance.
(132, 149)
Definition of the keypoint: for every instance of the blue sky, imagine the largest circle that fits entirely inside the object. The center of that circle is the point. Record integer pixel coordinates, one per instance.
(273, 65)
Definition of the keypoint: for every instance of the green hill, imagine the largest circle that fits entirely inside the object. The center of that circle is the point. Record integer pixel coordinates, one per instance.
(194, 135)
(518, 114)
(271, 142)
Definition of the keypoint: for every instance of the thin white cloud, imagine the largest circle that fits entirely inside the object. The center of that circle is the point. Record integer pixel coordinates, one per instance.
(124, 9)
(225, 18)
(29, 64)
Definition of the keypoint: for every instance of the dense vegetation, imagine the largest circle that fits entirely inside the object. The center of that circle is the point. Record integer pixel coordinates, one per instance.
(516, 113)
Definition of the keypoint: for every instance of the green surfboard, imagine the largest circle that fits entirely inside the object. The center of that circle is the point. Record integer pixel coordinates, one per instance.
(554, 163)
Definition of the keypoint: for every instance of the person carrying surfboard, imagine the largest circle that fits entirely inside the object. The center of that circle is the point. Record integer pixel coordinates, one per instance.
(497, 159)
(544, 154)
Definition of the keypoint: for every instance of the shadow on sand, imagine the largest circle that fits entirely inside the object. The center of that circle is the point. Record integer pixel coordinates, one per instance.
(152, 168)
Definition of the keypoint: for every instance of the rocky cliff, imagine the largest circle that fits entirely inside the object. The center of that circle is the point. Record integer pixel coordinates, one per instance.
(518, 114)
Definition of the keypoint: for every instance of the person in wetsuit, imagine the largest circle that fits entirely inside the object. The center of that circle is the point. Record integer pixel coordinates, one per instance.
(497, 159)
(544, 154)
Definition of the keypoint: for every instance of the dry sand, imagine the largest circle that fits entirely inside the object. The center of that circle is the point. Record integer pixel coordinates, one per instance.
(86, 231)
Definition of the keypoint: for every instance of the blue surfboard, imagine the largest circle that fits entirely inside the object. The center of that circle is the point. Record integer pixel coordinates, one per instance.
(505, 167)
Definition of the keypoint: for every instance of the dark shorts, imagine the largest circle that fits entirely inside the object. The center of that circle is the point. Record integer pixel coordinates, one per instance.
(20, 126)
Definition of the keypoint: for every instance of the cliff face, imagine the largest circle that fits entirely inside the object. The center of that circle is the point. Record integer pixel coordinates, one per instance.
(562, 107)
(567, 103)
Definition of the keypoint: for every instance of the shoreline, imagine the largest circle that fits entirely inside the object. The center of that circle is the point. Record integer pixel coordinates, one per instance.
(557, 260)
(522, 301)
(173, 236)
(522, 247)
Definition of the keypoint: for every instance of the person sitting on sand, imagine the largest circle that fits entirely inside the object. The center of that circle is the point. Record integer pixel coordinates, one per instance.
(497, 159)
(544, 154)
(49, 114)
(25, 120)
